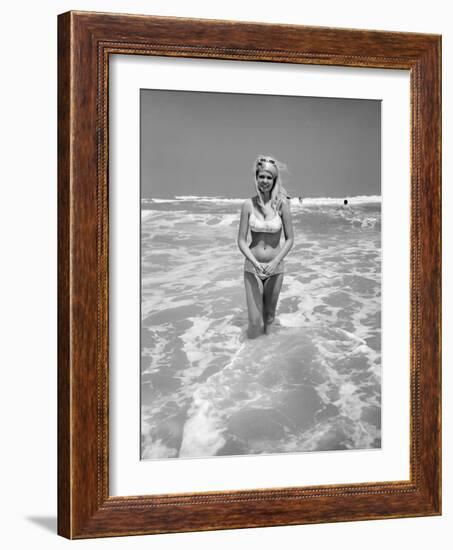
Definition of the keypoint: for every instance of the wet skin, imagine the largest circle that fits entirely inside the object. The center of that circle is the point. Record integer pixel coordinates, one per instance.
(266, 252)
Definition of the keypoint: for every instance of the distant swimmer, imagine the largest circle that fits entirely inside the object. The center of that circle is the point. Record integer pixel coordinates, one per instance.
(300, 200)
(347, 206)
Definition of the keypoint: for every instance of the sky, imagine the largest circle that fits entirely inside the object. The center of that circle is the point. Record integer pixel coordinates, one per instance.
(205, 144)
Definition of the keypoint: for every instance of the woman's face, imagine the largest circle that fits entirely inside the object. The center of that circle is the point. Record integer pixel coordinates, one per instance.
(265, 181)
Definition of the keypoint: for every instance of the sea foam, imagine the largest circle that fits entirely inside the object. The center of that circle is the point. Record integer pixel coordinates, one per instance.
(312, 385)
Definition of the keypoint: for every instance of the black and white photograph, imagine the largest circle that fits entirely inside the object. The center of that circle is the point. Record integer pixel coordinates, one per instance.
(260, 274)
(228, 275)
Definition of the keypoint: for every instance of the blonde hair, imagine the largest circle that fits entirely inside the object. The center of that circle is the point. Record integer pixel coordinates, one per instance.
(278, 193)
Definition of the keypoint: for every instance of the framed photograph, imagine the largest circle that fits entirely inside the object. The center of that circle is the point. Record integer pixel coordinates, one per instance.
(249, 275)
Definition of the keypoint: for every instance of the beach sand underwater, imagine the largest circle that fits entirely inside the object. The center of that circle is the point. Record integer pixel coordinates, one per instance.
(314, 384)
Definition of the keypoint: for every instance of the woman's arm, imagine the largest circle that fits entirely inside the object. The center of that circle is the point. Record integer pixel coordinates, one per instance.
(242, 235)
(289, 238)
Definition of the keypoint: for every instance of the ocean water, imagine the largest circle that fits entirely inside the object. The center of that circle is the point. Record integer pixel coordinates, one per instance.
(314, 384)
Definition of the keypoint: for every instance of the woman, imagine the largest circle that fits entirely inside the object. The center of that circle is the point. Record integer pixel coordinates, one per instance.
(266, 214)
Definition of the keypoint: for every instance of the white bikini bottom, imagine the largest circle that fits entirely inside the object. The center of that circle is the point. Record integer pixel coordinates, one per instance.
(250, 268)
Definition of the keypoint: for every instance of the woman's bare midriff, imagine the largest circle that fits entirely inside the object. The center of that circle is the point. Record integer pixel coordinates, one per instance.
(265, 246)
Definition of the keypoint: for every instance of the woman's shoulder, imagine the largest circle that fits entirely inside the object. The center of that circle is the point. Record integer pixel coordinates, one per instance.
(285, 207)
(247, 204)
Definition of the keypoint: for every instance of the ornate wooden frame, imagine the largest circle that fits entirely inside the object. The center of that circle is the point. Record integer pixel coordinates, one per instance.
(85, 41)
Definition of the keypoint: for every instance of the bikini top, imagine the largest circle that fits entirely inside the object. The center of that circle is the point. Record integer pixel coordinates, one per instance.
(265, 226)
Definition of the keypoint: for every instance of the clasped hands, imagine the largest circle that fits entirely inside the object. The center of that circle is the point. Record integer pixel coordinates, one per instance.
(265, 270)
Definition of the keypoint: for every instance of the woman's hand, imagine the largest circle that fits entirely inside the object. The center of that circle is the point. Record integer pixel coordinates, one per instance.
(259, 269)
(270, 268)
